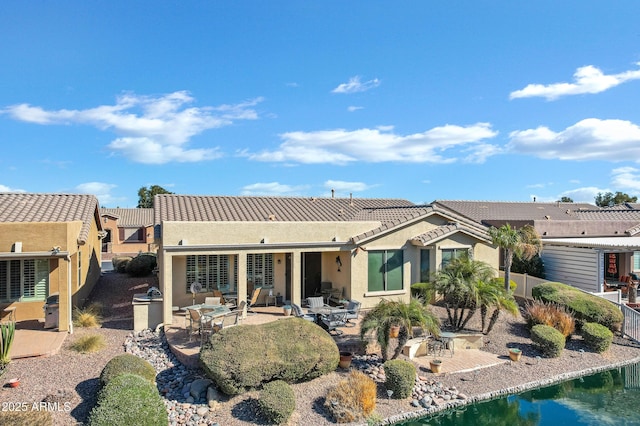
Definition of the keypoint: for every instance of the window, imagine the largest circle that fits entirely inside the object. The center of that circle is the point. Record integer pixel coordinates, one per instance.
(24, 280)
(260, 269)
(385, 270)
(425, 266)
(449, 254)
(212, 271)
(636, 260)
(131, 235)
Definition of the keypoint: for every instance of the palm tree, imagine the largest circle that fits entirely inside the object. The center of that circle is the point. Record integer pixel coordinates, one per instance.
(388, 313)
(524, 243)
(487, 295)
(505, 302)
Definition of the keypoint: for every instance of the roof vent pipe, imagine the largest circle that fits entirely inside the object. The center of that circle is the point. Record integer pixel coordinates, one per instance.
(351, 199)
(333, 193)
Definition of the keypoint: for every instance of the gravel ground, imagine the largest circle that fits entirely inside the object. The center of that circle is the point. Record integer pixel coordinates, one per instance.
(69, 377)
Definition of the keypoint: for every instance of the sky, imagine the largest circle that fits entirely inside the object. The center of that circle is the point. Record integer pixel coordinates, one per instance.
(419, 100)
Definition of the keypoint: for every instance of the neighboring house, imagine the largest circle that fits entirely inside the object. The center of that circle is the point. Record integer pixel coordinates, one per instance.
(49, 243)
(583, 245)
(128, 231)
(368, 248)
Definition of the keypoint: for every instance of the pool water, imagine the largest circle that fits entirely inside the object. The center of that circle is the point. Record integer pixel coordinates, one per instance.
(608, 398)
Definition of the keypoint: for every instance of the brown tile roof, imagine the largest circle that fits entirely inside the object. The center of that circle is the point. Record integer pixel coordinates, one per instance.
(24, 207)
(610, 214)
(188, 208)
(446, 230)
(130, 217)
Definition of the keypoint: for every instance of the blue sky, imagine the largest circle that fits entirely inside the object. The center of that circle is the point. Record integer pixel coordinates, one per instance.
(421, 100)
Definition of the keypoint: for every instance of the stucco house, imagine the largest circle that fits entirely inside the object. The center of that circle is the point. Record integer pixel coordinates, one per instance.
(292, 246)
(583, 244)
(49, 243)
(128, 231)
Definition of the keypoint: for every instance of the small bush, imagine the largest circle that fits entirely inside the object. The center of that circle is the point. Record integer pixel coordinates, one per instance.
(549, 340)
(26, 418)
(401, 376)
(120, 263)
(585, 307)
(277, 401)
(141, 265)
(127, 363)
(89, 316)
(353, 399)
(424, 291)
(597, 337)
(88, 344)
(551, 314)
(128, 399)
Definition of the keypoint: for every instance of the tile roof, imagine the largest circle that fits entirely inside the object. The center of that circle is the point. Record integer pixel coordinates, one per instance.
(188, 208)
(445, 230)
(610, 214)
(130, 217)
(25, 207)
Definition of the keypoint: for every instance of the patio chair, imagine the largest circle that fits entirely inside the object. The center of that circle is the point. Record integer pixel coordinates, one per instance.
(194, 323)
(335, 319)
(316, 302)
(254, 300)
(212, 300)
(297, 311)
(240, 307)
(353, 311)
(228, 320)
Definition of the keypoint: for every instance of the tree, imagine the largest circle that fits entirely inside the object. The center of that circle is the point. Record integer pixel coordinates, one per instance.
(145, 195)
(524, 243)
(565, 200)
(608, 199)
(504, 302)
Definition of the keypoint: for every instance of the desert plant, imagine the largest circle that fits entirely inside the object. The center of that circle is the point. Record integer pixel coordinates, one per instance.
(353, 399)
(26, 418)
(127, 363)
(551, 314)
(597, 337)
(386, 314)
(120, 263)
(277, 401)
(523, 243)
(374, 419)
(294, 350)
(7, 333)
(141, 265)
(549, 340)
(89, 316)
(585, 307)
(88, 344)
(424, 291)
(128, 399)
(400, 377)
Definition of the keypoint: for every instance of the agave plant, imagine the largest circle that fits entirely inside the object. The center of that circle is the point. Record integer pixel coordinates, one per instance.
(7, 331)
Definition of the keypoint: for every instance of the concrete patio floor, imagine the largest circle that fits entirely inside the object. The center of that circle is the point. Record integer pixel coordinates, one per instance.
(32, 339)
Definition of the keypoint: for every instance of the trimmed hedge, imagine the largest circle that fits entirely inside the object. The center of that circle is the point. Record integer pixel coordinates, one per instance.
(294, 350)
(142, 265)
(277, 401)
(127, 400)
(401, 377)
(597, 337)
(584, 306)
(127, 363)
(549, 340)
(120, 263)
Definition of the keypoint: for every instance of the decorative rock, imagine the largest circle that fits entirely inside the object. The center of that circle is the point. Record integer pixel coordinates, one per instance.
(415, 402)
(201, 411)
(199, 387)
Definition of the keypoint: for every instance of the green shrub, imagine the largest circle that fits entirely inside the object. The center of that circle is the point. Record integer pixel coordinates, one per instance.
(585, 307)
(127, 363)
(597, 337)
(7, 333)
(401, 377)
(548, 339)
(88, 344)
(26, 418)
(120, 263)
(141, 265)
(126, 400)
(277, 401)
(424, 291)
(353, 399)
(293, 350)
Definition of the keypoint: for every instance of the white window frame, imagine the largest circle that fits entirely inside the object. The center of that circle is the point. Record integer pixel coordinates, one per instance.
(28, 277)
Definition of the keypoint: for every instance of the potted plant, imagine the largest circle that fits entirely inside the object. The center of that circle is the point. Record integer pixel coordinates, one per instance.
(515, 354)
(345, 359)
(287, 310)
(394, 331)
(435, 365)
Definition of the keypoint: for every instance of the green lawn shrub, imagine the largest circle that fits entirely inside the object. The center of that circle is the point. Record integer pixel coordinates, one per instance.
(128, 399)
(597, 336)
(585, 307)
(142, 265)
(277, 401)
(127, 363)
(120, 263)
(353, 399)
(549, 340)
(294, 350)
(401, 377)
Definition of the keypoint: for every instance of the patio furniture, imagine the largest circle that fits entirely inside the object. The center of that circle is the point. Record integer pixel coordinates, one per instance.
(333, 320)
(240, 307)
(194, 322)
(353, 311)
(297, 311)
(254, 300)
(212, 300)
(316, 302)
(228, 320)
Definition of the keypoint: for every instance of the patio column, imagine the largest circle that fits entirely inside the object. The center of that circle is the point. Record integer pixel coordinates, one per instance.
(166, 287)
(242, 278)
(296, 275)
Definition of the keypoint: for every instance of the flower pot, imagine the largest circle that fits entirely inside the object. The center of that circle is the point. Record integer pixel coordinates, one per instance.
(286, 309)
(515, 354)
(14, 383)
(345, 359)
(394, 331)
(435, 365)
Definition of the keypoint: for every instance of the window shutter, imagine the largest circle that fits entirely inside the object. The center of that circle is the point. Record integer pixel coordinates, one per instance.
(121, 233)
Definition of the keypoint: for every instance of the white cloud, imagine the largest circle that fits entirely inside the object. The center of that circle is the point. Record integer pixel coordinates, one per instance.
(152, 130)
(381, 144)
(4, 188)
(588, 79)
(344, 188)
(355, 85)
(353, 108)
(586, 194)
(589, 139)
(626, 179)
(273, 188)
(101, 190)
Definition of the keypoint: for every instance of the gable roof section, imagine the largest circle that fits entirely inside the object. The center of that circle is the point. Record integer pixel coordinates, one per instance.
(130, 217)
(445, 231)
(23, 207)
